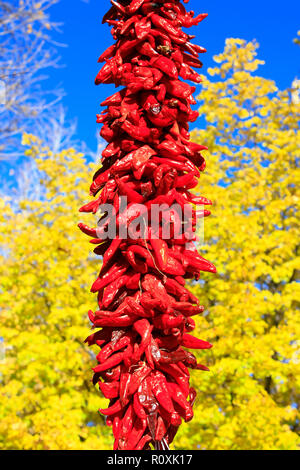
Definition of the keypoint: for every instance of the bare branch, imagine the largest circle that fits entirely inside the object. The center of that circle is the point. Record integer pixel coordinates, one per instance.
(26, 49)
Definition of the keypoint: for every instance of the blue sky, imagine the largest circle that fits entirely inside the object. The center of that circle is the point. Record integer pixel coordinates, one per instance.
(273, 24)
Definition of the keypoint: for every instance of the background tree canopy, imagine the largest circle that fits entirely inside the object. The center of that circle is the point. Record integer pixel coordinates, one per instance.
(250, 399)
(27, 49)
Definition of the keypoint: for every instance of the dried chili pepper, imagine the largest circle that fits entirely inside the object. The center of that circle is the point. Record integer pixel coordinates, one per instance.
(145, 310)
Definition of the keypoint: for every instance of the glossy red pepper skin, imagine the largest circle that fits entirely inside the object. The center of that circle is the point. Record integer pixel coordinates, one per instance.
(145, 310)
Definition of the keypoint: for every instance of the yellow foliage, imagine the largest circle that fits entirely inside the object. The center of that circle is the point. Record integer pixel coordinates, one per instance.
(250, 398)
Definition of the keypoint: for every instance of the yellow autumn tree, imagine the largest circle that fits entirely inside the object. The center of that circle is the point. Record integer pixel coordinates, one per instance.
(46, 398)
(250, 399)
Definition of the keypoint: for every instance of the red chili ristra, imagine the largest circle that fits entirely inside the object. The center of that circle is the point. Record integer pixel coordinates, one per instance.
(145, 309)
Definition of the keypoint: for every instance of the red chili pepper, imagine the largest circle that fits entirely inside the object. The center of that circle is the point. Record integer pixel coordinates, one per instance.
(178, 397)
(160, 248)
(138, 377)
(109, 375)
(113, 361)
(112, 250)
(92, 206)
(125, 380)
(142, 28)
(165, 322)
(92, 232)
(139, 427)
(99, 338)
(112, 274)
(188, 21)
(131, 194)
(141, 266)
(166, 26)
(112, 289)
(112, 347)
(144, 329)
(191, 342)
(167, 342)
(110, 390)
(125, 320)
(110, 51)
(153, 285)
(143, 442)
(141, 156)
(135, 5)
(127, 47)
(126, 427)
(133, 282)
(144, 134)
(193, 394)
(117, 423)
(146, 49)
(138, 408)
(161, 429)
(115, 408)
(176, 373)
(165, 65)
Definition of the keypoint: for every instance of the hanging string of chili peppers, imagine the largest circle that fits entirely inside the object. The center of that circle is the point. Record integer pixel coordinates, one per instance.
(145, 311)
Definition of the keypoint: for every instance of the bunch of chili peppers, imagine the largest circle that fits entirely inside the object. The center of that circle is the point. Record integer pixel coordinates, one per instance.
(145, 310)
